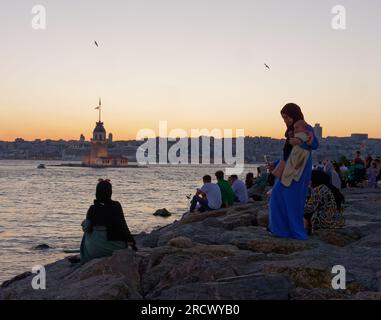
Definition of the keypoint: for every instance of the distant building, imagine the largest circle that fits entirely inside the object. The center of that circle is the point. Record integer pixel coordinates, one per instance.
(110, 138)
(318, 131)
(99, 156)
(82, 138)
(360, 136)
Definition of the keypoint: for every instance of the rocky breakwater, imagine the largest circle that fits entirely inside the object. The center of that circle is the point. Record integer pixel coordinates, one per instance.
(227, 254)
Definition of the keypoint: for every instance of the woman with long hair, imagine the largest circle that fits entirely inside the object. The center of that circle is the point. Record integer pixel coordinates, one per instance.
(287, 202)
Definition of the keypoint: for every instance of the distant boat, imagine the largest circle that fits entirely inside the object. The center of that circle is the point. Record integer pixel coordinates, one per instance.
(41, 166)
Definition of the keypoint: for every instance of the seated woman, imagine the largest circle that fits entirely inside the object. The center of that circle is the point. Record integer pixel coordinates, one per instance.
(324, 208)
(105, 227)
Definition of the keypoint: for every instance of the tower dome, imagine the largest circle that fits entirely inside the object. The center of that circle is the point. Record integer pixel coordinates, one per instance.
(99, 133)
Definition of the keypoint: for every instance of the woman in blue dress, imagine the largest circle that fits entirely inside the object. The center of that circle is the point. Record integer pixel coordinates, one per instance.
(287, 203)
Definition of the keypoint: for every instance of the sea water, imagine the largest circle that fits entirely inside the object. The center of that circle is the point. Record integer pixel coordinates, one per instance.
(47, 206)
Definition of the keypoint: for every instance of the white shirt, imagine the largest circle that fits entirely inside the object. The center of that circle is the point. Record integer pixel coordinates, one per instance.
(213, 193)
(240, 191)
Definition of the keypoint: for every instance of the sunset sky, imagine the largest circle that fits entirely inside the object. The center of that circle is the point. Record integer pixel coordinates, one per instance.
(194, 63)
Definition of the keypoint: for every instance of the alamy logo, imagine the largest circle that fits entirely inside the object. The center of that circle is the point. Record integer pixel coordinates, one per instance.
(187, 150)
(339, 280)
(39, 17)
(339, 21)
(39, 281)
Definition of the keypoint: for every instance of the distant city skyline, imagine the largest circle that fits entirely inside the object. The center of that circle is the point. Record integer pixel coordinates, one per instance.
(196, 64)
(82, 137)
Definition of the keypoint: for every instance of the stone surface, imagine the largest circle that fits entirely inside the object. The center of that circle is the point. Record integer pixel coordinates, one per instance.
(227, 254)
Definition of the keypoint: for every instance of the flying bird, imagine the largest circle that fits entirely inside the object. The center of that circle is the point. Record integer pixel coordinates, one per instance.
(267, 66)
(96, 43)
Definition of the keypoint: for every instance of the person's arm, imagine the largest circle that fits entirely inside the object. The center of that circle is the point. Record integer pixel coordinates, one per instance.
(87, 223)
(89, 213)
(200, 192)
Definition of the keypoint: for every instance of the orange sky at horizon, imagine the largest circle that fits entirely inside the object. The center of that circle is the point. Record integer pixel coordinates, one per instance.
(196, 64)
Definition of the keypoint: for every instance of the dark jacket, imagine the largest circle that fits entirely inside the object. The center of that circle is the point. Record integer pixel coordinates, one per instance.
(110, 215)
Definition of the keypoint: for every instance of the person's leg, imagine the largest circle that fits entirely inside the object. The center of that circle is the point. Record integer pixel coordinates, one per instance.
(194, 202)
(204, 205)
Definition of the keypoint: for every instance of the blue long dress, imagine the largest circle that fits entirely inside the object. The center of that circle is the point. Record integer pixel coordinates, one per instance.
(287, 203)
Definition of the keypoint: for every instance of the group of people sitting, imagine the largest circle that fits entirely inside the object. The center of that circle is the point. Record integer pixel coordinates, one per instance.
(105, 228)
(225, 193)
(355, 173)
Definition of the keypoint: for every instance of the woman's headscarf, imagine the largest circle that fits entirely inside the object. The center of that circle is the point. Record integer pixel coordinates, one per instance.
(293, 111)
(103, 191)
(319, 178)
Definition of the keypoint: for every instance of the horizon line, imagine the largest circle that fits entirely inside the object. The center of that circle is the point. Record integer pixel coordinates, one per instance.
(187, 137)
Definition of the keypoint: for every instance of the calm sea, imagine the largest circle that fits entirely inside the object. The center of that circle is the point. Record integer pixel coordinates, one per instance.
(47, 206)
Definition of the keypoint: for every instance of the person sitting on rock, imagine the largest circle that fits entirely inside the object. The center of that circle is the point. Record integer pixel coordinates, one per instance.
(227, 192)
(239, 189)
(324, 208)
(208, 197)
(256, 186)
(105, 227)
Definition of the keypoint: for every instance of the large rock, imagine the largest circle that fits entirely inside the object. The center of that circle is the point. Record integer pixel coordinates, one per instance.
(115, 277)
(273, 246)
(227, 254)
(339, 237)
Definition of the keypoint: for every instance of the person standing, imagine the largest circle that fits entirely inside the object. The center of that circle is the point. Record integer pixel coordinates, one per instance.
(372, 173)
(286, 209)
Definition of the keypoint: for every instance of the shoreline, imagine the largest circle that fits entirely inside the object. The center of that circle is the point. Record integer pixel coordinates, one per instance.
(225, 254)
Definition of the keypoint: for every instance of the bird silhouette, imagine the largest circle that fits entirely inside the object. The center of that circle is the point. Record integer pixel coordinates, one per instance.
(96, 43)
(267, 66)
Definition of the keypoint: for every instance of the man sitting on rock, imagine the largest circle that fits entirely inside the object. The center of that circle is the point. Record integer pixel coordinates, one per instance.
(227, 193)
(208, 197)
(239, 189)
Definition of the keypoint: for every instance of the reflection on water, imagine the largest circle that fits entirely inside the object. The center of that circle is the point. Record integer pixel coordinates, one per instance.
(48, 205)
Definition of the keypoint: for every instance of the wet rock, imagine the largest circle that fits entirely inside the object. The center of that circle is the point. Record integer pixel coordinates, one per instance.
(162, 213)
(43, 246)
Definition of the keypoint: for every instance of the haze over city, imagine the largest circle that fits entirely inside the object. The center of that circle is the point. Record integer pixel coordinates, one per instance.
(196, 64)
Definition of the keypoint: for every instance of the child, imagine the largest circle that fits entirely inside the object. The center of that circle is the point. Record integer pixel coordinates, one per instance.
(293, 168)
(372, 175)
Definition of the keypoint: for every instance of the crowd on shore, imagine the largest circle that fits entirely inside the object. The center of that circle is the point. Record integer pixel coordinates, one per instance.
(302, 198)
(225, 193)
(356, 173)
